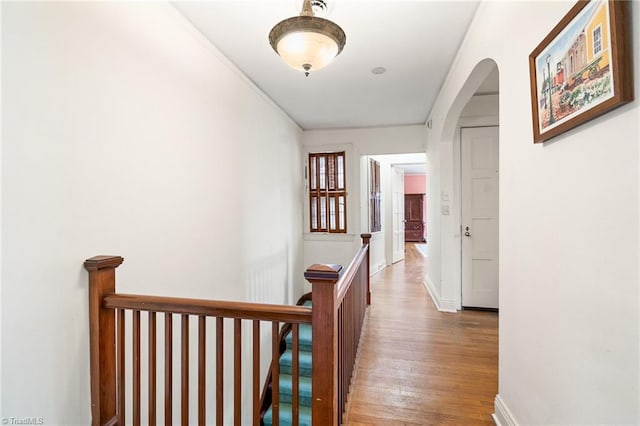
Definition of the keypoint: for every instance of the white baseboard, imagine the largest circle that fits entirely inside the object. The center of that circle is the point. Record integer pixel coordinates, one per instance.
(502, 415)
(443, 305)
(376, 268)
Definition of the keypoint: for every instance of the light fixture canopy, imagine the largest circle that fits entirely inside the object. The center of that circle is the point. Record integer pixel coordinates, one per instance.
(307, 42)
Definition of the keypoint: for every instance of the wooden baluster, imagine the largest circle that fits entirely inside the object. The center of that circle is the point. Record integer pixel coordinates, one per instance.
(366, 238)
(352, 325)
(202, 370)
(341, 348)
(120, 367)
(360, 306)
(323, 279)
(352, 333)
(346, 331)
(275, 373)
(237, 372)
(185, 370)
(346, 356)
(295, 374)
(102, 338)
(168, 369)
(219, 371)
(348, 344)
(343, 353)
(135, 353)
(362, 301)
(152, 368)
(256, 372)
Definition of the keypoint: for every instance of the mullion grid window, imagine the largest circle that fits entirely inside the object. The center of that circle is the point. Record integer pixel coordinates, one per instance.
(374, 196)
(327, 192)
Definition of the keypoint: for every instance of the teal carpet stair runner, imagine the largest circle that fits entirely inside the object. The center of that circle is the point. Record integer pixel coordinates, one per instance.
(304, 381)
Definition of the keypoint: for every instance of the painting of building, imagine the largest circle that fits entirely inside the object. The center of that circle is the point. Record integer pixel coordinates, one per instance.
(576, 68)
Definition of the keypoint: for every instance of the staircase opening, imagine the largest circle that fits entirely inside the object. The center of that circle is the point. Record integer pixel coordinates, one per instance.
(149, 354)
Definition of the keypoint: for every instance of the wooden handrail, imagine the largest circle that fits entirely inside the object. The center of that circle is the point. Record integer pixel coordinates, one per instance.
(346, 278)
(211, 308)
(340, 298)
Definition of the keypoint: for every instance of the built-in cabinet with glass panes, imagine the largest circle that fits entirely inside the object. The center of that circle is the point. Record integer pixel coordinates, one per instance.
(327, 192)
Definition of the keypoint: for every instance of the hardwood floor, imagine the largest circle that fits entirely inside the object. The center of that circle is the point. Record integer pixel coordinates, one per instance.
(420, 366)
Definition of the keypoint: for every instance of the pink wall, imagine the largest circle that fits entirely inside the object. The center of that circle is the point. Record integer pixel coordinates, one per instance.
(415, 184)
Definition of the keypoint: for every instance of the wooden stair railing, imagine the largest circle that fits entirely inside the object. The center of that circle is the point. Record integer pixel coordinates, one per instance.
(340, 301)
(339, 305)
(267, 390)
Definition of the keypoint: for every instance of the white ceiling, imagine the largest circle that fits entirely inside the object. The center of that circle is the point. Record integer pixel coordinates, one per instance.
(415, 41)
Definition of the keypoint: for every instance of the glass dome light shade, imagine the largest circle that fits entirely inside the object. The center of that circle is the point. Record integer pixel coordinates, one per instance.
(302, 48)
(307, 42)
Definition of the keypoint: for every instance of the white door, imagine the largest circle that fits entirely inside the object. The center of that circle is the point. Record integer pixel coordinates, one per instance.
(397, 212)
(479, 153)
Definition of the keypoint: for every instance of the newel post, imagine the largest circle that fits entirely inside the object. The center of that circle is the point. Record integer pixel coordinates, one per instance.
(323, 279)
(102, 338)
(366, 238)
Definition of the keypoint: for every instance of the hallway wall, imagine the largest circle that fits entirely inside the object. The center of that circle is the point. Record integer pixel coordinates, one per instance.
(125, 132)
(569, 232)
(415, 184)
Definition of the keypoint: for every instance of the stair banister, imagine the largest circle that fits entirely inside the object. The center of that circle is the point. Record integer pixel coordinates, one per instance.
(102, 344)
(366, 239)
(329, 285)
(324, 323)
(340, 298)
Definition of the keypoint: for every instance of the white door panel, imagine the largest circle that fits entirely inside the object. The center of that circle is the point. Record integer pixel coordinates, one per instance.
(397, 196)
(479, 167)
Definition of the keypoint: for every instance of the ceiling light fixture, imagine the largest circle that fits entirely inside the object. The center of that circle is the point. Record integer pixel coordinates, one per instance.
(307, 42)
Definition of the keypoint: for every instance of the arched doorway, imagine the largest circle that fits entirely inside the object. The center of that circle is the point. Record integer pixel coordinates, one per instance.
(473, 106)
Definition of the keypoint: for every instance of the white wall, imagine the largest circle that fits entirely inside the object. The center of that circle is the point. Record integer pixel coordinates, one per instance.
(569, 329)
(125, 132)
(357, 143)
(1, 133)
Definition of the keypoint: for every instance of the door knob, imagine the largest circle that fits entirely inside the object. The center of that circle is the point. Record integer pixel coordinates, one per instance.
(466, 232)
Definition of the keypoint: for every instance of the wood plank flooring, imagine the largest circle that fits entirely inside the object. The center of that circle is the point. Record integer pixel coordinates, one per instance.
(418, 366)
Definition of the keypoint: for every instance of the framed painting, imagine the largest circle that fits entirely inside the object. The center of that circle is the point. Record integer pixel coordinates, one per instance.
(582, 69)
